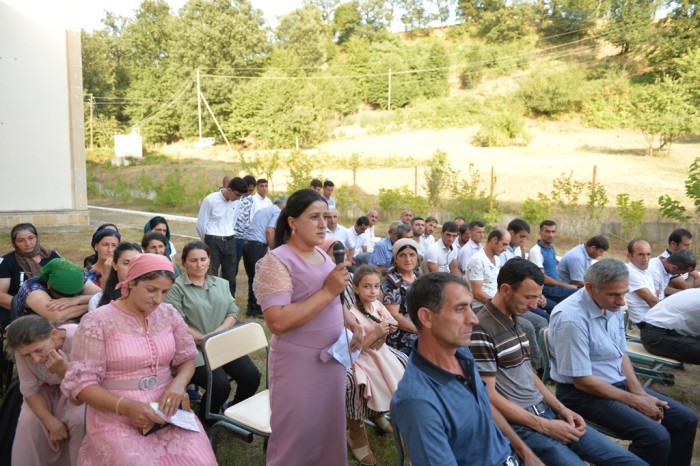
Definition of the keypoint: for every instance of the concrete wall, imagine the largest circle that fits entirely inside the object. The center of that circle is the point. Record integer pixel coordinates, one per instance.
(42, 151)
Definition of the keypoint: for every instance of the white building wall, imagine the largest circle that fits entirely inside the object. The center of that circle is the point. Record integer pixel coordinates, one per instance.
(42, 155)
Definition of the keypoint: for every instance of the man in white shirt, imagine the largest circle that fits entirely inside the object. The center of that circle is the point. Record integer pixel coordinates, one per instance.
(418, 229)
(476, 236)
(442, 256)
(519, 231)
(328, 188)
(358, 238)
(340, 233)
(370, 238)
(483, 267)
(260, 199)
(672, 328)
(681, 238)
(642, 295)
(215, 224)
(665, 269)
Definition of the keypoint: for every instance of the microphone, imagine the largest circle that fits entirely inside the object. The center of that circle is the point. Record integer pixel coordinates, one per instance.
(339, 257)
(338, 252)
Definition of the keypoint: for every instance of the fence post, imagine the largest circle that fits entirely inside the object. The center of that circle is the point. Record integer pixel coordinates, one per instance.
(415, 180)
(492, 189)
(595, 172)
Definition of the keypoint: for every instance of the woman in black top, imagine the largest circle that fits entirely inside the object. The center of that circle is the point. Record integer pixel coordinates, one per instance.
(21, 264)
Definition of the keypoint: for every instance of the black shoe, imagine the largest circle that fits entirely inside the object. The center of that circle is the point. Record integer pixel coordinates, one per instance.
(255, 315)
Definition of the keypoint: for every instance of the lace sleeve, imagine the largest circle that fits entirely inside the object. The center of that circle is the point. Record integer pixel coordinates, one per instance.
(185, 348)
(273, 282)
(87, 365)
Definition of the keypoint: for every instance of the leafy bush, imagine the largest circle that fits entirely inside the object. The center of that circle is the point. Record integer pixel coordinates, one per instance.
(502, 129)
(631, 212)
(301, 171)
(469, 199)
(534, 211)
(553, 91)
(392, 201)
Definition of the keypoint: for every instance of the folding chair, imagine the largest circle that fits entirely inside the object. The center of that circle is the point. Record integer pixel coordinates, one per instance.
(398, 440)
(249, 417)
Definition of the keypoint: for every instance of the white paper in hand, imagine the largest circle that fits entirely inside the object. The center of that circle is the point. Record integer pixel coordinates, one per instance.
(341, 352)
(182, 419)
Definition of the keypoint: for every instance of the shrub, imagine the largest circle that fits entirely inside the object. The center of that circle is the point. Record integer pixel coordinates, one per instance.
(502, 129)
(534, 211)
(631, 212)
(553, 91)
(393, 200)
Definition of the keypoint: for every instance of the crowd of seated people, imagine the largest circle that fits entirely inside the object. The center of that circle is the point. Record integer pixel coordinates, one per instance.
(126, 286)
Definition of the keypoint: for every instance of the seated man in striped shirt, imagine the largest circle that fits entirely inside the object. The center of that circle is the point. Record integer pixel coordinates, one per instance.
(557, 435)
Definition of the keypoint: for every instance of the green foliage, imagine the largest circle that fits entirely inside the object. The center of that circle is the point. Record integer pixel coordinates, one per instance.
(120, 190)
(672, 209)
(439, 176)
(664, 112)
(574, 18)
(469, 199)
(392, 201)
(171, 192)
(631, 23)
(631, 212)
(609, 105)
(534, 211)
(568, 194)
(302, 169)
(549, 91)
(502, 129)
(692, 184)
(304, 35)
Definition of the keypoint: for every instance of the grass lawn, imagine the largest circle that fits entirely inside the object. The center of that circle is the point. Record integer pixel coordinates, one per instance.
(75, 245)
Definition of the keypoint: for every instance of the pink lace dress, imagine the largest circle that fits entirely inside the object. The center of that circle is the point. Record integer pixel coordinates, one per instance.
(110, 345)
(307, 387)
(31, 445)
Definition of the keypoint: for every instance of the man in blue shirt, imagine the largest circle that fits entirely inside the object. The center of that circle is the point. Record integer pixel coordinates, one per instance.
(256, 240)
(544, 256)
(595, 377)
(572, 267)
(441, 406)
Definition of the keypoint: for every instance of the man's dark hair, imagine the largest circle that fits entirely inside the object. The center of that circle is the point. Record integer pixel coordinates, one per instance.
(431, 219)
(403, 229)
(261, 181)
(516, 270)
(429, 291)
(517, 225)
(328, 184)
(450, 227)
(364, 220)
(683, 259)
(415, 219)
(548, 223)
(600, 242)
(476, 223)
(238, 184)
(677, 235)
(316, 183)
(460, 218)
(631, 244)
(463, 228)
(249, 179)
(497, 233)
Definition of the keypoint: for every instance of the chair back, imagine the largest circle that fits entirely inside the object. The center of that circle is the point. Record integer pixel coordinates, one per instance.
(546, 355)
(233, 343)
(398, 440)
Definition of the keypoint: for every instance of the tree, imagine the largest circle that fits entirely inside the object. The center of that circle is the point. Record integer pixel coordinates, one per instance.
(416, 15)
(663, 112)
(303, 33)
(631, 23)
(438, 177)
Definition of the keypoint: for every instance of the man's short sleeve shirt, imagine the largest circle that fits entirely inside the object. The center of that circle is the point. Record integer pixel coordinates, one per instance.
(574, 264)
(585, 341)
(481, 268)
(639, 279)
(441, 255)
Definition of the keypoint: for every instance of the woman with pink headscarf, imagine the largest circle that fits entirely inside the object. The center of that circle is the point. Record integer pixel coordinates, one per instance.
(131, 352)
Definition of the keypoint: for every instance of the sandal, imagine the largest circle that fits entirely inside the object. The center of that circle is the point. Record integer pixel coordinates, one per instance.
(382, 425)
(363, 454)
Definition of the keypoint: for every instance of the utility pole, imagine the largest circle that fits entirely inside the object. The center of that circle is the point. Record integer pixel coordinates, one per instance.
(92, 113)
(388, 104)
(199, 105)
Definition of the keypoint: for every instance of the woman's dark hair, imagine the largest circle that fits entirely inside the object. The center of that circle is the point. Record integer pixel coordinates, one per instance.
(91, 260)
(154, 235)
(26, 330)
(296, 205)
(22, 227)
(191, 246)
(99, 235)
(110, 293)
(157, 220)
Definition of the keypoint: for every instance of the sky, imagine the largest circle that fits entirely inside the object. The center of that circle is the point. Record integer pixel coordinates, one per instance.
(88, 13)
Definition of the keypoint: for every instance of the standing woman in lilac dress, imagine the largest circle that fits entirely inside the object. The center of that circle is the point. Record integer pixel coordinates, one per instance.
(49, 429)
(133, 351)
(298, 286)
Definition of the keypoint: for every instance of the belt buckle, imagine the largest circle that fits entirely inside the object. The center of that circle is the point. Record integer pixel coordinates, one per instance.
(536, 409)
(148, 383)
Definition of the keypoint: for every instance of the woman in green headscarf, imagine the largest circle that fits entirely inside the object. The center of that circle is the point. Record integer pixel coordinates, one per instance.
(61, 293)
